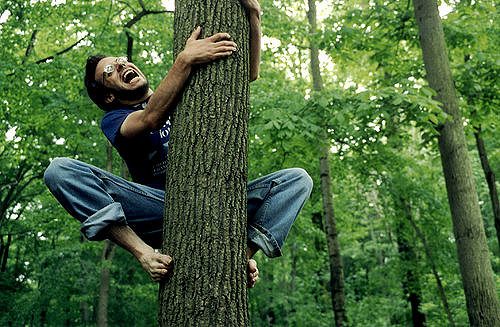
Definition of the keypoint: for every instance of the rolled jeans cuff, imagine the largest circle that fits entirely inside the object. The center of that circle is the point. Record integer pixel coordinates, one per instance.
(264, 240)
(93, 228)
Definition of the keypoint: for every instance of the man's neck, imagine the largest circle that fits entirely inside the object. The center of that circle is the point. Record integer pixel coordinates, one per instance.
(135, 102)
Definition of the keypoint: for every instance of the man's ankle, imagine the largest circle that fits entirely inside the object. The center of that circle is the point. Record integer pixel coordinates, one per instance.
(251, 250)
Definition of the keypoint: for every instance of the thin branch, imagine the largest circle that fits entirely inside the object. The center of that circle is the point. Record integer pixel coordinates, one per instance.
(130, 46)
(44, 60)
(3, 151)
(6, 202)
(15, 193)
(135, 19)
(142, 5)
(62, 51)
(30, 47)
(143, 13)
(128, 5)
(107, 20)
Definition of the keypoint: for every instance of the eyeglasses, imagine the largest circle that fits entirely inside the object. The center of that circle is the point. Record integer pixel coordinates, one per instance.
(110, 68)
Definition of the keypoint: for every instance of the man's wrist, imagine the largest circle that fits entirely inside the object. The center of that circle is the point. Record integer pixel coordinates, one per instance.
(139, 252)
(183, 61)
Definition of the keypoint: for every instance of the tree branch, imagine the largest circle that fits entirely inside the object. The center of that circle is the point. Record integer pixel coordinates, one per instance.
(30, 47)
(143, 13)
(135, 19)
(62, 51)
(142, 5)
(130, 45)
(128, 5)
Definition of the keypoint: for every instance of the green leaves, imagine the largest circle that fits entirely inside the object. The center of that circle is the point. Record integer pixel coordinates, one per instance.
(381, 122)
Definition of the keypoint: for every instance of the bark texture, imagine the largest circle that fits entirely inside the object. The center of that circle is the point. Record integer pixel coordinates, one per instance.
(205, 201)
(490, 179)
(483, 306)
(335, 259)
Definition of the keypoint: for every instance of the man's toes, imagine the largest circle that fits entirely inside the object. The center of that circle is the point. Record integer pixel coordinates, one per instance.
(252, 266)
(251, 282)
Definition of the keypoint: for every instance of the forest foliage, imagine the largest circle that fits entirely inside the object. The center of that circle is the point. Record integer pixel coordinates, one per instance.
(381, 124)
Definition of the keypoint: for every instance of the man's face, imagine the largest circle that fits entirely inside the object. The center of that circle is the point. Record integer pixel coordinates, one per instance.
(125, 80)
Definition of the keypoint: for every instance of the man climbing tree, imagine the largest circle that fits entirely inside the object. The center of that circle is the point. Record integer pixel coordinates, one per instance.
(207, 167)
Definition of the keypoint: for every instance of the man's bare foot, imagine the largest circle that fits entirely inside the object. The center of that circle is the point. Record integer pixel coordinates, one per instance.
(157, 265)
(253, 273)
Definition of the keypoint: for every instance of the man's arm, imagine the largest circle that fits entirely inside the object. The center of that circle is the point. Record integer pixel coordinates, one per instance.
(157, 265)
(163, 99)
(253, 8)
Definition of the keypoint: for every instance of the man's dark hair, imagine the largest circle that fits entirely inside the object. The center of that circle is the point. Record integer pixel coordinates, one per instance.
(95, 89)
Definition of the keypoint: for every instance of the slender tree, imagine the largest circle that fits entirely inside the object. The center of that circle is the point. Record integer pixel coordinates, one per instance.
(335, 259)
(432, 263)
(409, 259)
(107, 256)
(483, 306)
(205, 201)
(489, 174)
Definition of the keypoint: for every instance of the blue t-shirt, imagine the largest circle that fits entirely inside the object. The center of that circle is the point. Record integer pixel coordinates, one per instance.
(146, 154)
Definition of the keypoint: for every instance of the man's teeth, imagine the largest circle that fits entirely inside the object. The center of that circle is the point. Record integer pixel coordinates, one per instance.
(129, 76)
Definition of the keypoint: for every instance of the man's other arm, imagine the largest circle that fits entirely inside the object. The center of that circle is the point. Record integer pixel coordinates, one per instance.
(253, 8)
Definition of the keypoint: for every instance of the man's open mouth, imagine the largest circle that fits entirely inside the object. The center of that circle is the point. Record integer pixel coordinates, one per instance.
(129, 75)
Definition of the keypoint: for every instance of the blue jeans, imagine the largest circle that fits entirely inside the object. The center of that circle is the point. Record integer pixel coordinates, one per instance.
(99, 199)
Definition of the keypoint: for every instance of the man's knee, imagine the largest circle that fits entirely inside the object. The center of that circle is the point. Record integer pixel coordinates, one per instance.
(56, 173)
(301, 179)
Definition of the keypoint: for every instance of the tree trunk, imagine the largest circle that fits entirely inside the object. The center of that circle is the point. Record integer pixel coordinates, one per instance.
(430, 258)
(336, 266)
(293, 272)
(44, 301)
(408, 258)
(483, 306)
(4, 252)
(490, 179)
(102, 306)
(373, 197)
(85, 313)
(335, 259)
(107, 256)
(205, 201)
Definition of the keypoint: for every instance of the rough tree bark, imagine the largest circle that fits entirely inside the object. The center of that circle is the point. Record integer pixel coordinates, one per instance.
(489, 174)
(336, 266)
(205, 200)
(483, 306)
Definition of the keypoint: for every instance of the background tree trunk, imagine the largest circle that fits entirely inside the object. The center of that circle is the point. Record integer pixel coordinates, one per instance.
(483, 306)
(336, 266)
(102, 306)
(107, 256)
(205, 201)
(430, 258)
(4, 252)
(408, 257)
(490, 180)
